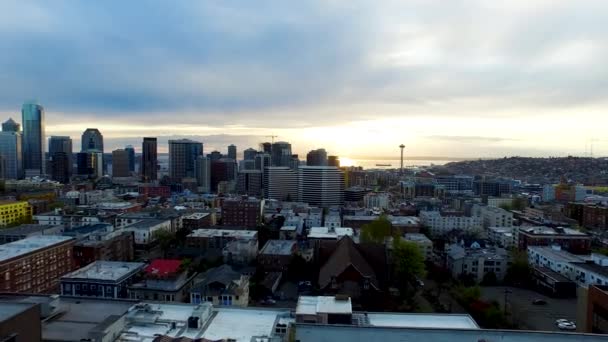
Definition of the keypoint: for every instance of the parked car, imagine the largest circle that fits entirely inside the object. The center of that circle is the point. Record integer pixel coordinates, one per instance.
(567, 326)
(561, 320)
(539, 302)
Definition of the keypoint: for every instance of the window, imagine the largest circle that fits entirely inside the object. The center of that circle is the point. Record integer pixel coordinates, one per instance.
(210, 299)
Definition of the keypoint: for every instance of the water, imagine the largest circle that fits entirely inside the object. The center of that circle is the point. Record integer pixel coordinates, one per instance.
(394, 163)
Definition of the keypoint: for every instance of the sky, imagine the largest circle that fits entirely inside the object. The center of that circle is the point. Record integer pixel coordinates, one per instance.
(457, 78)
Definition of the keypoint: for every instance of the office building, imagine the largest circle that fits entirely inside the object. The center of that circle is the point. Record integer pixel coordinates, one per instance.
(333, 161)
(231, 152)
(222, 170)
(317, 157)
(60, 152)
(203, 174)
(281, 154)
(321, 185)
(183, 154)
(249, 154)
(280, 183)
(149, 160)
(495, 188)
(89, 164)
(456, 184)
(249, 182)
(102, 279)
(262, 161)
(11, 126)
(131, 152)
(12, 212)
(215, 155)
(34, 139)
(241, 212)
(120, 163)
(266, 147)
(11, 154)
(92, 140)
(35, 264)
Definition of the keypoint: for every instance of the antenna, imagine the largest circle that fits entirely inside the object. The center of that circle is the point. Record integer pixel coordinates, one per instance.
(272, 137)
(401, 147)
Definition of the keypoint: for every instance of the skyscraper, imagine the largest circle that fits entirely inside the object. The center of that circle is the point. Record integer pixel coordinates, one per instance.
(92, 140)
(120, 163)
(249, 154)
(182, 158)
(232, 152)
(321, 185)
(317, 157)
(223, 170)
(34, 139)
(89, 164)
(280, 183)
(249, 182)
(60, 152)
(149, 160)
(281, 153)
(131, 152)
(262, 160)
(266, 147)
(333, 161)
(214, 155)
(203, 174)
(12, 155)
(10, 126)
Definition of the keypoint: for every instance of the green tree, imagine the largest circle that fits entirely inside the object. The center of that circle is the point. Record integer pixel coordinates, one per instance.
(165, 240)
(376, 231)
(489, 279)
(409, 265)
(519, 273)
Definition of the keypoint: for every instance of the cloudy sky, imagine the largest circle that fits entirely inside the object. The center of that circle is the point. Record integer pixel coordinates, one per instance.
(446, 78)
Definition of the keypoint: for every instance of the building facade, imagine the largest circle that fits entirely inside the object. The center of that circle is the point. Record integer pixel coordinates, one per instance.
(34, 139)
(12, 155)
(149, 160)
(241, 212)
(321, 185)
(12, 212)
(120, 163)
(102, 279)
(92, 140)
(280, 183)
(183, 154)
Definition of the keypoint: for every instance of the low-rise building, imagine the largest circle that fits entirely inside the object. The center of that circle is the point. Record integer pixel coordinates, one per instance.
(67, 221)
(329, 233)
(221, 286)
(165, 280)
(505, 237)
(440, 225)
(35, 264)
(206, 239)
(106, 279)
(596, 315)
(276, 255)
(380, 200)
(405, 224)
(554, 258)
(589, 273)
(20, 322)
(496, 217)
(26, 230)
(14, 212)
(116, 245)
(242, 212)
(477, 262)
(571, 240)
(144, 231)
(333, 220)
(197, 221)
(425, 244)
(357, 221)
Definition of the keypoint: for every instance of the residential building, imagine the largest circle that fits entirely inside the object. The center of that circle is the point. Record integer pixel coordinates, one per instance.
(68, 221)
(499, 202)
(333, 220)
(317, 157)
(221, 286)
(148, 190)
(231, 152)
(596, 315)
(92, 140)
(144, 230)
(196, 221)
(477, 262)
(120, 163)
(423, 242)
(281, 154)
(276, 255)
(280, 183)
(571, 240)
(205, 239)
(149, 163)
(505, 237)
(241, 252)
(496, 217)
(249, 182)
(223, 170)
(321, 185)
(183, 154)
(34, 139)
(165, 280)
(589, 273)
(358, 221)
(288, 233)
(241, 212)
(12, 212)
(555, 259)
(12, 155)
(404, 224)
(329, 233)
(105, 279)
(117, 245)
(203, 174)
(440, 225)
(20, 322)
(380, 200)
(26, 230)
(35, 264)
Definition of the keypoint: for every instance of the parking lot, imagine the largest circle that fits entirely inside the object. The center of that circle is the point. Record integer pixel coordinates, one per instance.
(530, 316)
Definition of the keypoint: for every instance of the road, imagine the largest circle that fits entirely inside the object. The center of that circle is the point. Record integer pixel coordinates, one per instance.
(530, 316)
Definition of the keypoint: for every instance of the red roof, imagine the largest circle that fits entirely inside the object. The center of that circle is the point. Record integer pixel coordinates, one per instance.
(163, 267)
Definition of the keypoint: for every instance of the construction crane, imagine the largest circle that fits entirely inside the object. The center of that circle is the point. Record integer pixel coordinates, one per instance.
(272, 137)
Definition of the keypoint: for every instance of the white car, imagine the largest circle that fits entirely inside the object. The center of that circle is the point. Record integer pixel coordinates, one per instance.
(561, 320)
(567, 326)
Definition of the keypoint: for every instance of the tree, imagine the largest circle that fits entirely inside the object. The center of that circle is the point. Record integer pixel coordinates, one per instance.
(489, 279)
(409, 265)
(165, 240)
(376, 231)
(519, 273)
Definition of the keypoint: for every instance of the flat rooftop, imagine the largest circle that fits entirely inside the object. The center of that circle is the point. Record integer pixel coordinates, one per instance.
(105, 270)
(26, 229)
(406, 320)
(146, 223)
(592, 267)
(556, 254)
(311, 305)
(11, 309)
(329, 233)
(238, 234)
(288, 228)
(30, 244)
(404, 220)
(241, 325)
(542, 230)
(195, 216)
(278, 247)
(417, 237)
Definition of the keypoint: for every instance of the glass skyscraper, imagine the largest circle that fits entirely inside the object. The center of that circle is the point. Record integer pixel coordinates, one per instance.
(11, 155)
(34, 139)
(183, 154)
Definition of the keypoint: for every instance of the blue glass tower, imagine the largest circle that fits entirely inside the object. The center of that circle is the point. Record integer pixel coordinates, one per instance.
(34, 139)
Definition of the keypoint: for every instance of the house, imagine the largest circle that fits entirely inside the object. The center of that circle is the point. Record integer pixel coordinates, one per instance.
(221, 286)
(165, 280)
(347, 272)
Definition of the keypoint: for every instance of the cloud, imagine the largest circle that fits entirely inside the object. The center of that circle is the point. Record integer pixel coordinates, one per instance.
(470, 139)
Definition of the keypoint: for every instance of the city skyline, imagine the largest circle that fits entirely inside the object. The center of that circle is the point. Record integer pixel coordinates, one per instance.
(447, 80)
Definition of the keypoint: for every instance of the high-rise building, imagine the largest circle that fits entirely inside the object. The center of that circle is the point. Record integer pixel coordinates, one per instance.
(92, 140)
(317, 157)
(149, 160)
(232, 152)
(266, 147)
(89, 164)
(333, 161)
(280, 183)
(249, 182)
(294, 163)
(321, 185)
(223, 170)
(281, 154)
(262, 161)
(120, 163)
(10, 126)
(11, 153)
(215, 155)
(249, 154)
(34, 139)
(60, 152)
(131, 152)
(182, 158)
(203, 174)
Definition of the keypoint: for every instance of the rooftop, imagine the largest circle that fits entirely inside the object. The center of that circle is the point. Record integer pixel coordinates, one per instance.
(26, 229)
(542, 230)
(29, 245)
(237, 234)
(278, 247)
(105, 270)
(417, 237)
(557, 255)
(407, 320)
(288, 228)
(163, 267)
(311, 305)
(404, 220)
(10, 309)
(593, 268)
(145, 223)
(329, 233)
(195, 216)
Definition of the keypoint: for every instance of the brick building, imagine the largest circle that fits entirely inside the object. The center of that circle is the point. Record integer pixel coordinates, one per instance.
(35, 264)
(597, 310)
(110, 246)
(572, 240)
(241, 212)
(197, 221)
(587, 215)
(20, 322)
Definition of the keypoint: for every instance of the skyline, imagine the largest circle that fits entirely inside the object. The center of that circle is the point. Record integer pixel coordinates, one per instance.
(478, 80)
